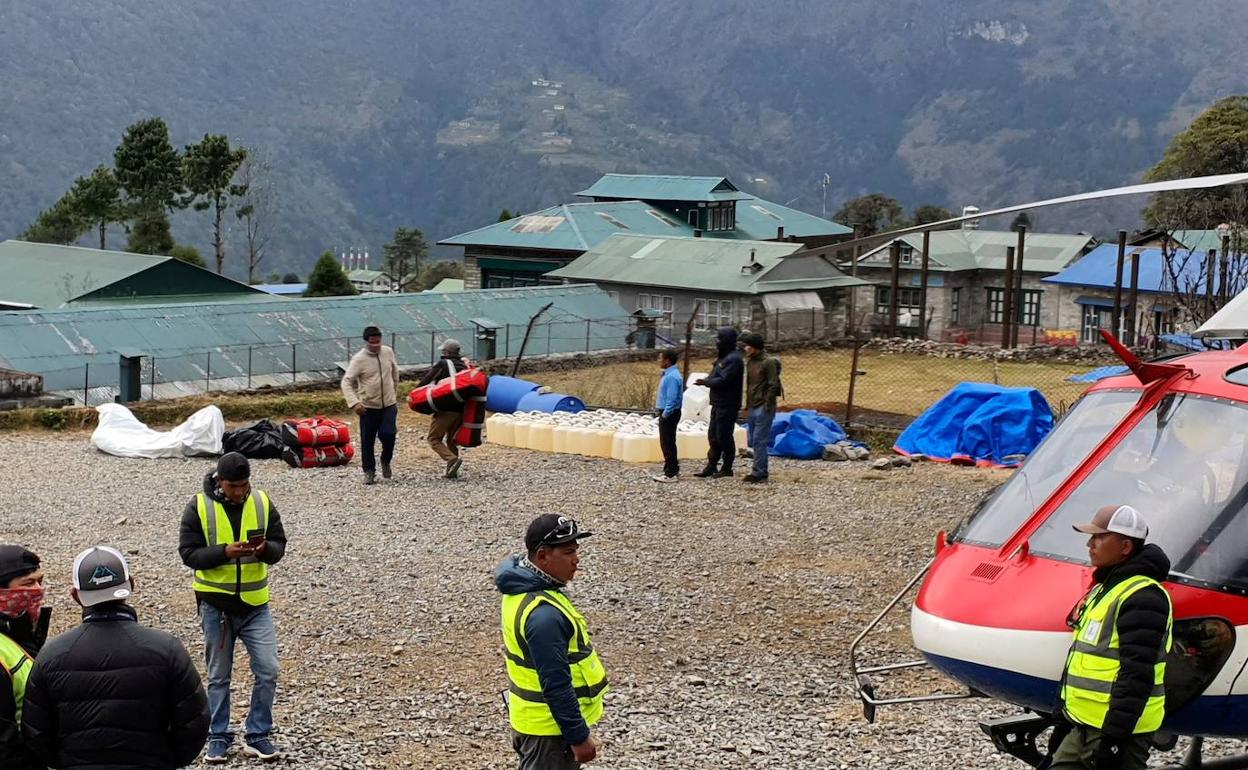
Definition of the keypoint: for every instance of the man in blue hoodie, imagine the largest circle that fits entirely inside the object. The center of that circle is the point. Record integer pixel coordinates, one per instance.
(667, 403)
(557, 681)
(724, 381)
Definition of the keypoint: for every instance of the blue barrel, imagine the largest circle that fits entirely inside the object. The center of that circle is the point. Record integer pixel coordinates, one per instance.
(504, 393)
(549, 402)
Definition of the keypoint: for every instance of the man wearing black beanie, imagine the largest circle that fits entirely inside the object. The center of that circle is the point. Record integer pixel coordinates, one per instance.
(230, 535)
(23, 629)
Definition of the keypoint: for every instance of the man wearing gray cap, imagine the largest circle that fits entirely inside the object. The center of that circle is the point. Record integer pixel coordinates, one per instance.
(112, 692)
(23, 628)
(443, 424)
(1112, 697)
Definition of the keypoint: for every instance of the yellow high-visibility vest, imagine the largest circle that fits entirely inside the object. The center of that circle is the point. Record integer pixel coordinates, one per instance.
(1093, 663)
(16, 665)
(247, 577)
(526, 705)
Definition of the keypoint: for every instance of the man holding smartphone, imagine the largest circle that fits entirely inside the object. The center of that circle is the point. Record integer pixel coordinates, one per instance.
(230, 535)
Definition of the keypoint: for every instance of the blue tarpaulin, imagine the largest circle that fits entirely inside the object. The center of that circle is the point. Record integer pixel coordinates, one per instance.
(1096, 375)
(803, 434)
(979, 423)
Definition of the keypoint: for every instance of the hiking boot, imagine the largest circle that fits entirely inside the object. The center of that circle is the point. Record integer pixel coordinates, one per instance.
(370, 477)
(385, 471)
(706, 472)
(452, 468)
(218, 749)
(262, 749)
(726, 473)
(752, 479)
(665, 479)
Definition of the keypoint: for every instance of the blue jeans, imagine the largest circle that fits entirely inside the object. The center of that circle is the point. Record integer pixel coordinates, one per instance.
(758, 423)
(259, 635)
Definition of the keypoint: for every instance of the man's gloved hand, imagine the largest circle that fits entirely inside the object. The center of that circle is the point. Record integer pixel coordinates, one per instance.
(1110, 753)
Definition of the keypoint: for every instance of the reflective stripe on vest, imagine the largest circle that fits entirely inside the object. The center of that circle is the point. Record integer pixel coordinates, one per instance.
(526, 706)
(1093, 663)
(16, 665)
(247, 577)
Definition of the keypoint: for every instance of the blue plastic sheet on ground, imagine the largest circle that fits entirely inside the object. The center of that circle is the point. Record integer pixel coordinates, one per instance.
(802, 434)
(979, 423)
(1096, 375)
(1188, 342)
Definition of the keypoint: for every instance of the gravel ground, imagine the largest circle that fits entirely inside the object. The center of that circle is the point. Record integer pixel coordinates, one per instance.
(723, 612)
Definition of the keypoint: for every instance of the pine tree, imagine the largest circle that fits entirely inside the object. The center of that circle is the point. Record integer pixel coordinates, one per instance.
(328, 280)
(208, 170)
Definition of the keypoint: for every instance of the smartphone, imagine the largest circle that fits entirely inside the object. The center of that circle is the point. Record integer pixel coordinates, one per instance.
(255, 536)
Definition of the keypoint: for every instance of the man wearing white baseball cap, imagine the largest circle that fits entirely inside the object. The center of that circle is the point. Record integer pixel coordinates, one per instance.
(113, 693)
(1112, 693)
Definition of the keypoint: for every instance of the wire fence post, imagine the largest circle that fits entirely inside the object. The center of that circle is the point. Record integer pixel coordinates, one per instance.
(151, 381)
(853, 381)
(507, 342)
(812, 323)
(249, 367)
(86, 382)
(392, 338)
(294, 354)
(587, 332)
(547, 338)
(208, 374)
(433, 348)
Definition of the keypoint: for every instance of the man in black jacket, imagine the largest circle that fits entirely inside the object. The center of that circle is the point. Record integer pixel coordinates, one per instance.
(23, 629)
(230, 534)
(442, 425)
(1111, 697)
(724, 381)
(112, 693)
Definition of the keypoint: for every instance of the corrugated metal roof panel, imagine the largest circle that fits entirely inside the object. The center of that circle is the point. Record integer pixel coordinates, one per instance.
(956, 250)
(663, 187)
(1099, 266)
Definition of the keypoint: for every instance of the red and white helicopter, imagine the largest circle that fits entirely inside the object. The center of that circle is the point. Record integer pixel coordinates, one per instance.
(1170, 438)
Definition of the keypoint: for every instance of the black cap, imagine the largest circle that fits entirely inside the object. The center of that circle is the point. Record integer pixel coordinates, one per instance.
(371, 331)
(233, 467)
(16, 561)
(552, 529)
(753, 339)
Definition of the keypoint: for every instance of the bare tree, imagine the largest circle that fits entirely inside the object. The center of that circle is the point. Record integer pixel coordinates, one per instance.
(1198, 279)
(257, 207)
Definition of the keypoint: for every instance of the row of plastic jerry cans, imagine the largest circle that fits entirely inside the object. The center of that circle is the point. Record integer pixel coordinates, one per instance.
(629, 447)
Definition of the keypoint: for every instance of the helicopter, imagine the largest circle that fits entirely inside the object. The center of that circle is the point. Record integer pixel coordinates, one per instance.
(1170, 438)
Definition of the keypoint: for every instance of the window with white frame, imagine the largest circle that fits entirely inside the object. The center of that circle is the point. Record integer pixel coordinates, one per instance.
(661, 302)
(907, 301)
(955, 306)
(714, 313)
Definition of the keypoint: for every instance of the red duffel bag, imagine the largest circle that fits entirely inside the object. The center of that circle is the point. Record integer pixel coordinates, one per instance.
(469, 433)
(449, 394)
(315, 431)
(318, 456)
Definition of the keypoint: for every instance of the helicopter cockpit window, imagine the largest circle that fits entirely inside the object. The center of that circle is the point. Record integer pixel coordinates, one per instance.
(1085, 426)
(1185, 467)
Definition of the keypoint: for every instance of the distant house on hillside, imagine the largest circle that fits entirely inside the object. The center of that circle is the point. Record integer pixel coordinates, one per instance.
(966, 283)
(370, 281)
(522, 251)
(45, 276)
(756, 284)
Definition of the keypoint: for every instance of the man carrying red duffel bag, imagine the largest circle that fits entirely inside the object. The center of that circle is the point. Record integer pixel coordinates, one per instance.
(445, 422)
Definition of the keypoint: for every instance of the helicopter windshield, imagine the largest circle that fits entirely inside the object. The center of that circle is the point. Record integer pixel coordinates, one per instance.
(1183, 466)
(1085, 426)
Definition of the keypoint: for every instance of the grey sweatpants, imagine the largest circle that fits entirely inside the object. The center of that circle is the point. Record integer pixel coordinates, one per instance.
(543, 752)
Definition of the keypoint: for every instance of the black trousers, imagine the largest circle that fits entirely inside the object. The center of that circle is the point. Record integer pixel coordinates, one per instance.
(667, 442)
(378, 424)
(719, 436)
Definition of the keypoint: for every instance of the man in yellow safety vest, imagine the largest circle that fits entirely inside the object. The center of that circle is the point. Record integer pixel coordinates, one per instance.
(230, 535)
(1112, 693)
(556, 679)
(23, 629)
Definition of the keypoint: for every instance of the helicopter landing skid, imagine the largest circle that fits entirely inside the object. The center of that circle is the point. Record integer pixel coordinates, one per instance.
(1194, 759)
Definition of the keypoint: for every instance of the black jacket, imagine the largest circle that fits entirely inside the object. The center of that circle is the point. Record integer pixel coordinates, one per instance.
(728, 374)
(1142, 622)
(14, 754)
(197, 554)
(114, 694)
(440, 371)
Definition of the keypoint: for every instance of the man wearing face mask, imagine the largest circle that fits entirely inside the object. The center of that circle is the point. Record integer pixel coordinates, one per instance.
(23, 629)
(230, 535)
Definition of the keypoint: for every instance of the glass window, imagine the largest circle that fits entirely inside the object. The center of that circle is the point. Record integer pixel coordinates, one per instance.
(1085, 426)
(907, 301)
(954, 305)
(693, 217)
(996, 309)
(1183, 467)
(1030, 312)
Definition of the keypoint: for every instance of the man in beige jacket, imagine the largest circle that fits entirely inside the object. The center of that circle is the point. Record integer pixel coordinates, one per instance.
(370, 387)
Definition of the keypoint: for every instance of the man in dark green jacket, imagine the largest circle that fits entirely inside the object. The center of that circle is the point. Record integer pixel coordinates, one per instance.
(762, 388)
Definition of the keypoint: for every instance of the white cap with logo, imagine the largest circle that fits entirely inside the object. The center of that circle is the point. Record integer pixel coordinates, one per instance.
(1119, 519)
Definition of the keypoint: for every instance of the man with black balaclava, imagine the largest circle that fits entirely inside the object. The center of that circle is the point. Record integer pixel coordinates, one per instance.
(725, 381)
(23, 629)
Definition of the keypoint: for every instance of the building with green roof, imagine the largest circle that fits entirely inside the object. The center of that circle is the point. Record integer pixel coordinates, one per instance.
(44, 276)
(523, 250)
(731, 282)
(966, 282)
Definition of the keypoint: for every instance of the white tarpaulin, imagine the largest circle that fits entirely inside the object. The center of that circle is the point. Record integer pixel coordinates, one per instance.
(120, 433)
(792, 300)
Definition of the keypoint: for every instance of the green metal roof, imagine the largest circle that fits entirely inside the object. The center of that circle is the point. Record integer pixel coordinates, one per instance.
(699, 263)
(361, 274)
(47, 275)
(662, 187)
(449, 285)
(324, 332)
(580, 227)
(958, 250)
(1198, 241)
